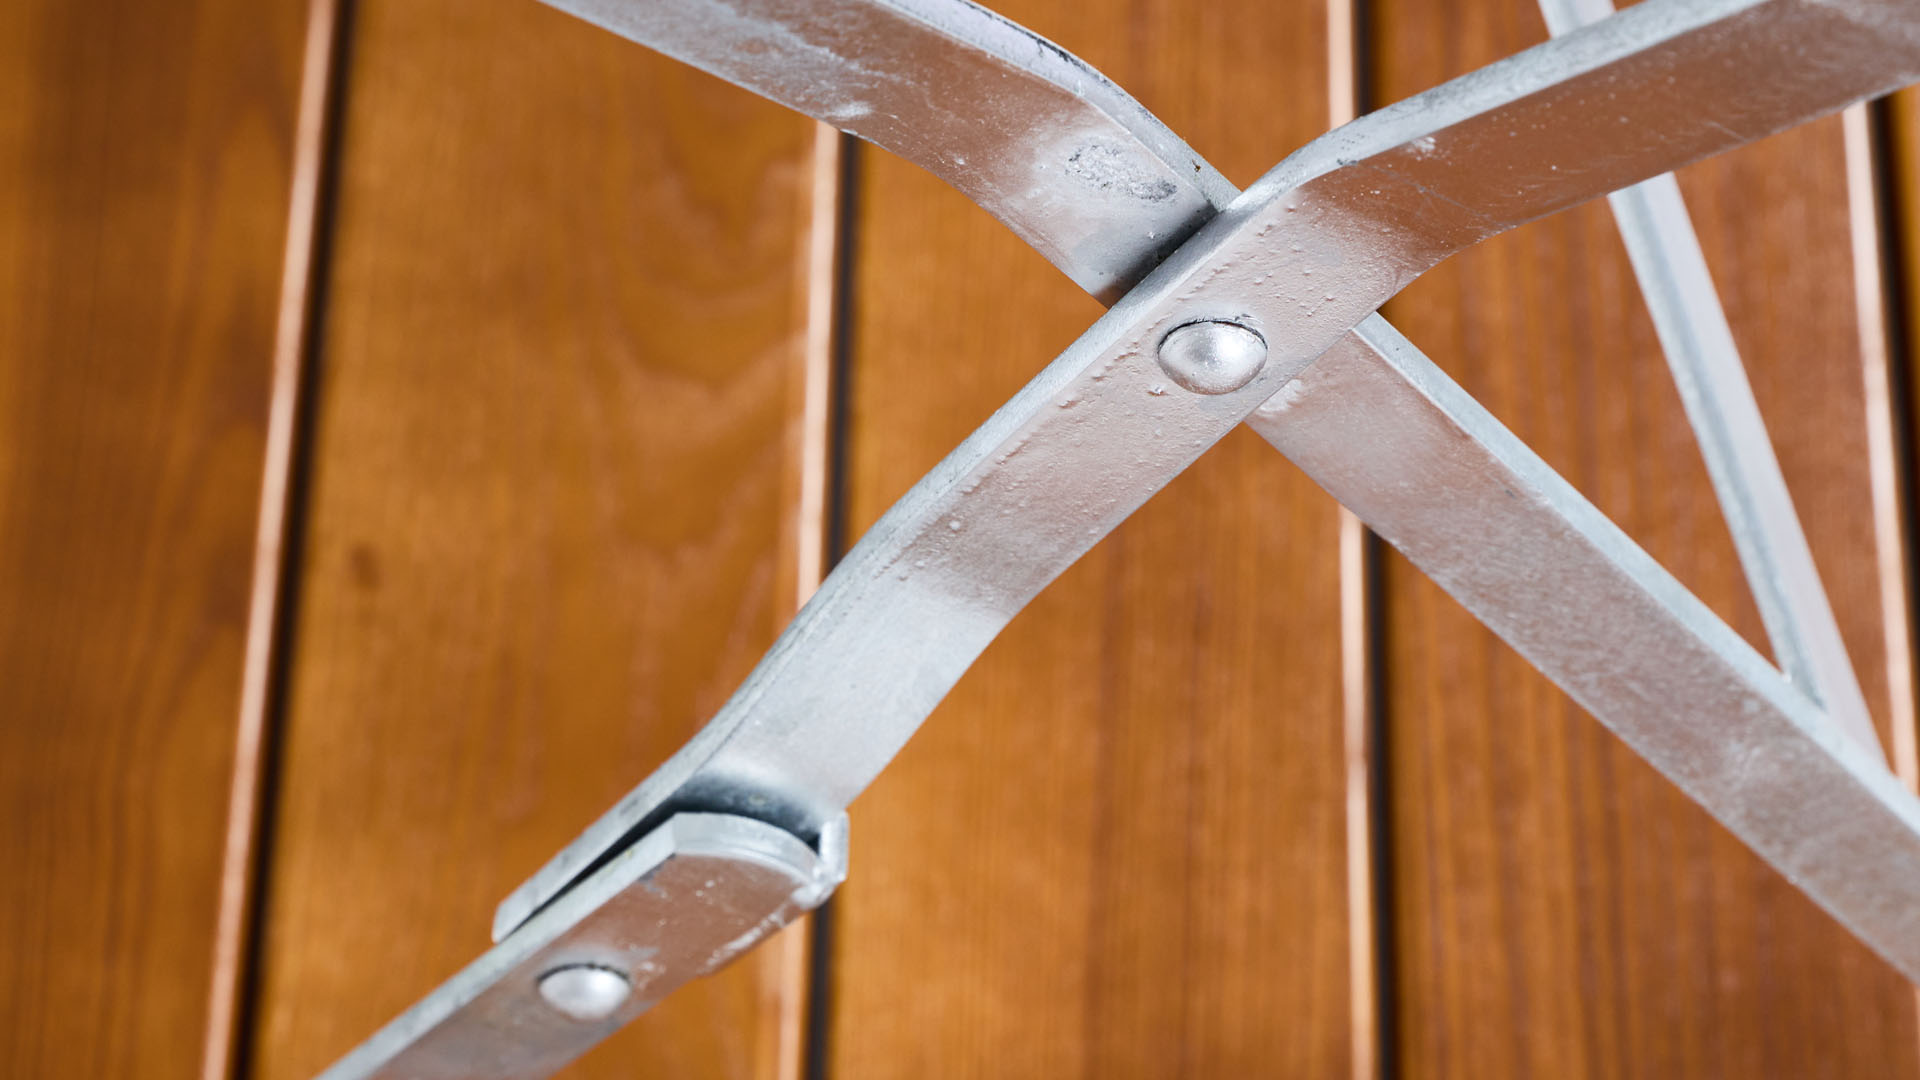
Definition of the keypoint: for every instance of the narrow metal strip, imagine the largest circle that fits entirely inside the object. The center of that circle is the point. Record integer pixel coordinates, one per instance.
(1385, 432)
(1368, 922)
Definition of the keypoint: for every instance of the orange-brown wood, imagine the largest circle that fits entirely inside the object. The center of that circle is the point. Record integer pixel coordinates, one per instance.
(563, 453)
(1117, 849)
(144, 161)
(1560, 910)
(1900, 210)
(551, 515)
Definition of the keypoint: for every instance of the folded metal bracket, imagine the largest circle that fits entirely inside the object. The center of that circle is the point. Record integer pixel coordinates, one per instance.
(684, 901)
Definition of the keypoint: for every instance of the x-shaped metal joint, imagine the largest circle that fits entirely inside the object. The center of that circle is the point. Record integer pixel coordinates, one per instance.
(1255, 307)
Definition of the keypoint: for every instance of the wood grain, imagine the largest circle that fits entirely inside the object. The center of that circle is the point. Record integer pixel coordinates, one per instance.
(144, 159)
(1117, 849)
(1560, 909)
(1900, 209)
(550, 522)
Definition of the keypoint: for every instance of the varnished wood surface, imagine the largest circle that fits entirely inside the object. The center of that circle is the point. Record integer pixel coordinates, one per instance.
(552, 522)
(1560, 910)
(144, 160)
(1117, 849)
(547, 529)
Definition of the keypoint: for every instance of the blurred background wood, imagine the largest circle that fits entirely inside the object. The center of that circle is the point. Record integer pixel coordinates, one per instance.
(145, 154)
(552, 511)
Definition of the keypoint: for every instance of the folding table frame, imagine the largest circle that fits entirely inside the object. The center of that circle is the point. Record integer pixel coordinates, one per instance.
(1228, 307)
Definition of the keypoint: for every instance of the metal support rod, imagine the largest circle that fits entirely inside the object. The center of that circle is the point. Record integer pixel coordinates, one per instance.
(1423, 464)
(1692, 326)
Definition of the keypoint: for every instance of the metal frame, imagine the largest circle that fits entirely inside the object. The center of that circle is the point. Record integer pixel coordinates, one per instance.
(1254, 307)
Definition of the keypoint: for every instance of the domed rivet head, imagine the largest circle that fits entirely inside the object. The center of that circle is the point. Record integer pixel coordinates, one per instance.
(1212, 357)
(584, 992)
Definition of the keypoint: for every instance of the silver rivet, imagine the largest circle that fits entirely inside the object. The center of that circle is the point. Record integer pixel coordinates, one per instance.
(584, 992)
(1212, 357)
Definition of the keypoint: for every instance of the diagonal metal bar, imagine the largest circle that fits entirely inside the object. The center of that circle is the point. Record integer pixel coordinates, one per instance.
(1385, 432)
(1300, 259)
(1323, 239)
(1692, 326)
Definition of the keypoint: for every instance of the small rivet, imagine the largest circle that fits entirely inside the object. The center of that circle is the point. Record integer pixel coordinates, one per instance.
(1212, 357)
(584, 992)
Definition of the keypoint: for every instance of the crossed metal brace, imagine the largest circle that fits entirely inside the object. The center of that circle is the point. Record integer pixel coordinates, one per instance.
(1230, 307)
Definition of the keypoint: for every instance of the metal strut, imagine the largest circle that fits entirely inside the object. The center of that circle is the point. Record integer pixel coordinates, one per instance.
(1719, 402)
(1253, 307)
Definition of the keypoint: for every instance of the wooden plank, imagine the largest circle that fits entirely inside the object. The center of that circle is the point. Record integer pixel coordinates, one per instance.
(552, 513)
(144, 166)
(1560, 909)
(1117, 849)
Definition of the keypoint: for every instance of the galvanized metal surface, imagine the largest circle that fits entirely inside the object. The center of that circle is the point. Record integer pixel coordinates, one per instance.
(681, 903)
(1298, 260)
(1044, 142)
(1312, 249)
(1720, 405)
(1385, 432)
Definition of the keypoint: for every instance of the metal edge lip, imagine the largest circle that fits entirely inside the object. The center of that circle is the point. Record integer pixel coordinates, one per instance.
(687, 834)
